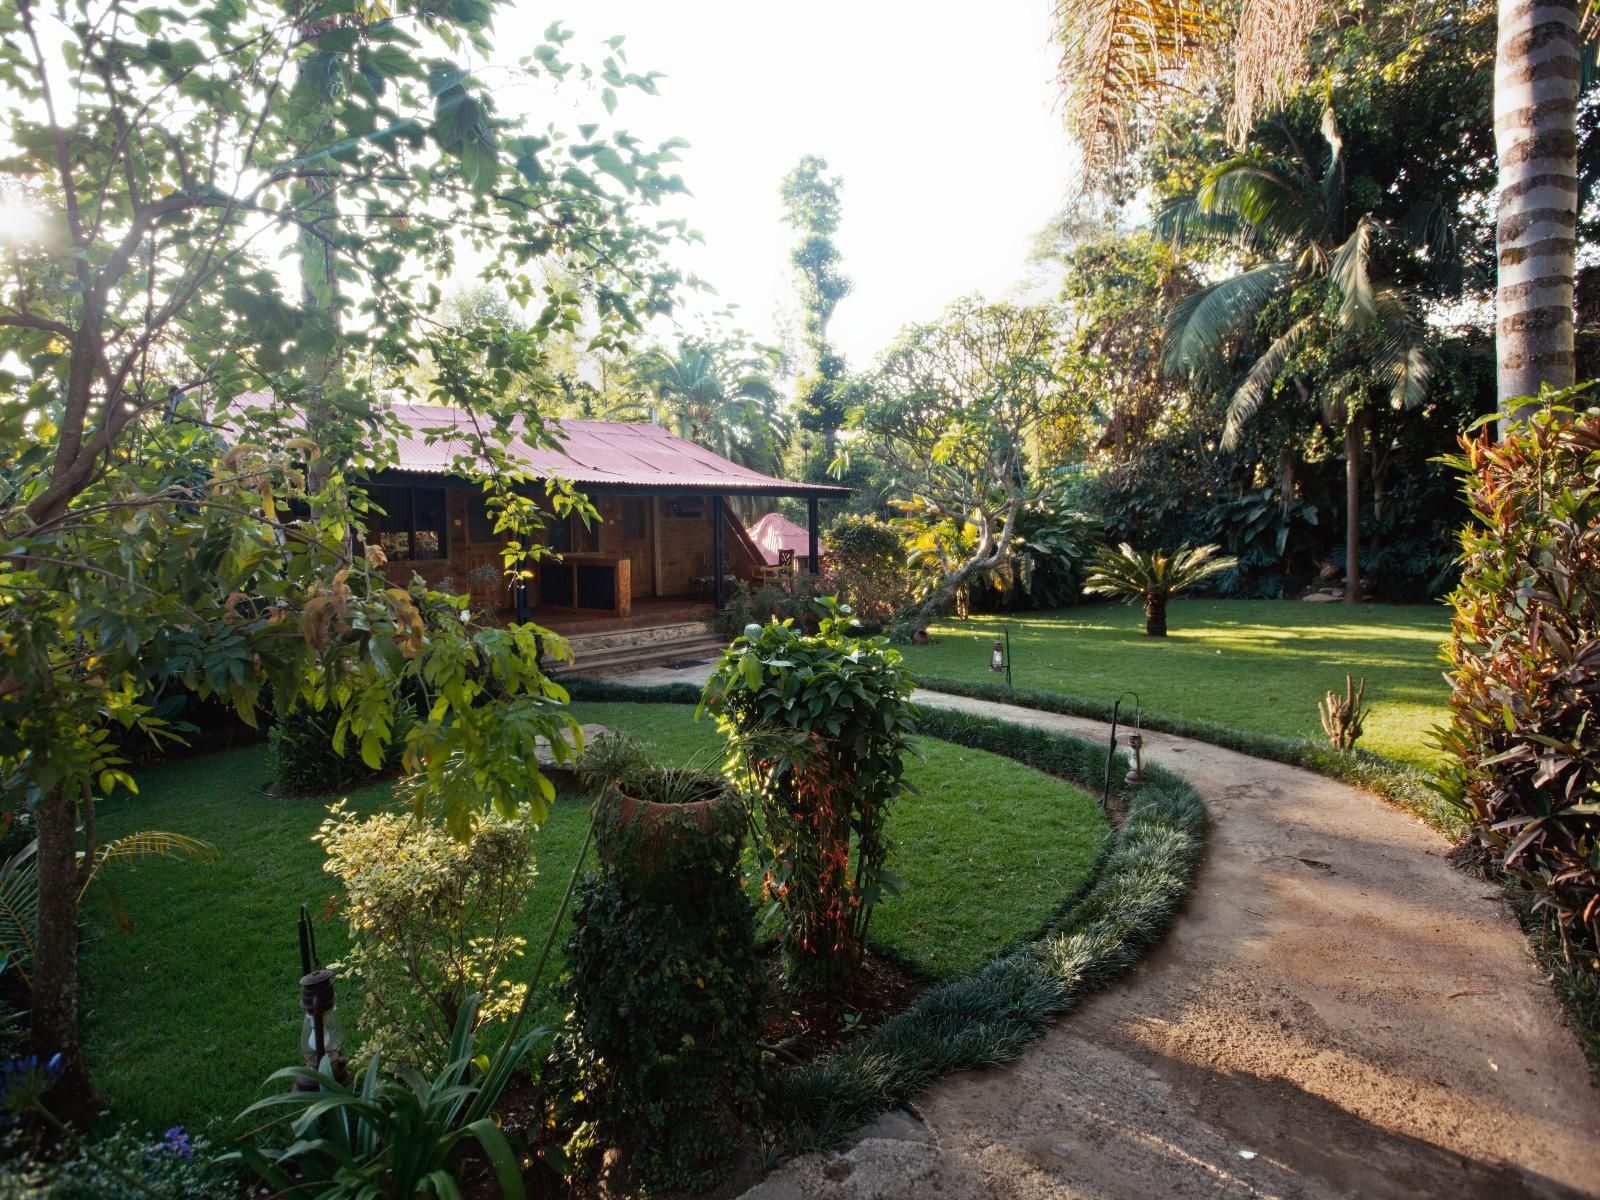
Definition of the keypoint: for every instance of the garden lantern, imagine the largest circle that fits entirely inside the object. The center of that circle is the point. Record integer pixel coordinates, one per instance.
(1000, 657)
(322, 1032)
(1135, 740)
(1136, 744)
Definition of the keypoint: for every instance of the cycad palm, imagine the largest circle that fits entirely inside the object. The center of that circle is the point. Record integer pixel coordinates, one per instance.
(1153, 577)
(1291, 225)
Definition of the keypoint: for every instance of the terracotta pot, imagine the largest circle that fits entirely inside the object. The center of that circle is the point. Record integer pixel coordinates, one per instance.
(646, 831)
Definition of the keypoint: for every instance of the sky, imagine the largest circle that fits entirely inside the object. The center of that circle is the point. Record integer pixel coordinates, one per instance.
(941, 118)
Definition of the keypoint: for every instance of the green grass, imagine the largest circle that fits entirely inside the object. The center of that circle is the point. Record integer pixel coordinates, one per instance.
(1260, 666)
(187, 1015)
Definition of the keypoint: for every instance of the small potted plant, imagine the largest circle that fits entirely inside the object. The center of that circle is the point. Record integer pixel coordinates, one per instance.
(648, 812)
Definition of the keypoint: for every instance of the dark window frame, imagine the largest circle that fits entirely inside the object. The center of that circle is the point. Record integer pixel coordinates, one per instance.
(401, 517)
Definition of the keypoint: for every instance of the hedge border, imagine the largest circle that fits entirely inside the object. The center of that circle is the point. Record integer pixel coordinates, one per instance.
(1404, 787)
(1138, 886)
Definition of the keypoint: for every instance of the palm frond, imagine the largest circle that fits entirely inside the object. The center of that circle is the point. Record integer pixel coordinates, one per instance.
(1333, 177)
(147, 843)
(1199, 325)
(1400, 354)
(1183, 222)
(1271, 210)
(1118, 58)
(19, 908)
(1268, 57)
(1349, 271)
(1136, 574)
(1257, 386)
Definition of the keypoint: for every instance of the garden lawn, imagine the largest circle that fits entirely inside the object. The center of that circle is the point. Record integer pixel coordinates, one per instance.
(1256, 665)
(186, 1016)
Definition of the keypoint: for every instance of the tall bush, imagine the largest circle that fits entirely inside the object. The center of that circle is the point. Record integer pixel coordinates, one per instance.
(818, 726)
(864, 564)
(430, 921)
(1524, 655)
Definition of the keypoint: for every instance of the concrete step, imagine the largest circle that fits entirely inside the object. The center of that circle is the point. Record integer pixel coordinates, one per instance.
(622, 659)
(616, 639)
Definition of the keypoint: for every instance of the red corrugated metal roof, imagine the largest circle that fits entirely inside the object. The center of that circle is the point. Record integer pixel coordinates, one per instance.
(592, 453)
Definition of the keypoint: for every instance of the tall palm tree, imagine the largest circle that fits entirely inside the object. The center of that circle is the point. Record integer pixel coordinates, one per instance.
(1290, 228)
(720, 399)
(1121, 60)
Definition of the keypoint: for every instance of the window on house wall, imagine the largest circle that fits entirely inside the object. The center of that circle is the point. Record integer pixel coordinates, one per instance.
(634, 520)
(411, 526)
(481, 519)
(571, 536)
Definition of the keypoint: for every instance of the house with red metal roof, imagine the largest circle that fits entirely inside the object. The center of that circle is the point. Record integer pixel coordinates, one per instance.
(666, 541)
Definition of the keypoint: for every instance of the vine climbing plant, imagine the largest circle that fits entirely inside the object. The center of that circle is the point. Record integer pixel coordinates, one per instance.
(818, 728)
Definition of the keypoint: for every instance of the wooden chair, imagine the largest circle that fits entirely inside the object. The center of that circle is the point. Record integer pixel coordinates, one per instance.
(781, 575)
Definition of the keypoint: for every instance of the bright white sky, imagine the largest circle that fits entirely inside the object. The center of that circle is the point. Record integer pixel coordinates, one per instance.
(940, 116)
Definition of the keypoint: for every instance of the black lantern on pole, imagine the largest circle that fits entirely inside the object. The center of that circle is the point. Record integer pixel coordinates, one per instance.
(1000, 656)
(1135, 741)
(321, 1031)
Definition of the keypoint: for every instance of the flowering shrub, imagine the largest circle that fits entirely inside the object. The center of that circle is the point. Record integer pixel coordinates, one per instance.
(429, 918)
(818, 727)
(1524, 654)
(125, 1164)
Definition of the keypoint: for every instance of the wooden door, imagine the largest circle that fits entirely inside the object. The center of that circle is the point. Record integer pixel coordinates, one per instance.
(636, 524)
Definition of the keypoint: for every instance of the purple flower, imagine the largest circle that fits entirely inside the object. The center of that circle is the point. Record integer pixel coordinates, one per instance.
(176, 1142)
(24, 1080)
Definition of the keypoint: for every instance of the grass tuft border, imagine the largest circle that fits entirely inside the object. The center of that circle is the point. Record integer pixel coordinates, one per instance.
(1404, 787)
(1140, 883)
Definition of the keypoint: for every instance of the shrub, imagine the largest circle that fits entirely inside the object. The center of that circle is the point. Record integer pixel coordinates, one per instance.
(1524, 656)
(127, 1163)
(392, 1137)
(430, 922)
(818, 726)
(864, 565)
(757, 606)
(662, 1059)
(302, 760)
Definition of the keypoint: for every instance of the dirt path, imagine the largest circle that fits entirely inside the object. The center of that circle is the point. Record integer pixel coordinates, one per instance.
(1337, 1012)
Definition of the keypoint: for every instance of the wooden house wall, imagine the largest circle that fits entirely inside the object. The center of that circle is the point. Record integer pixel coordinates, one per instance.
(680, 546)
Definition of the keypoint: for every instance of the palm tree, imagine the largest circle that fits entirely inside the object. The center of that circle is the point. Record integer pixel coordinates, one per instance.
(1153, 577)
(1279, 211)
(722, 400)
(1121, 60)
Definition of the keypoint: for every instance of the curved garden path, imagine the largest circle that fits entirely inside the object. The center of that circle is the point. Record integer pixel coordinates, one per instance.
(1335, 1000)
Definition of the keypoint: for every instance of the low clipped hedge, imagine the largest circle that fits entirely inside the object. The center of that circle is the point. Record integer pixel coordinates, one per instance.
(1135, 892)
(1404, 787)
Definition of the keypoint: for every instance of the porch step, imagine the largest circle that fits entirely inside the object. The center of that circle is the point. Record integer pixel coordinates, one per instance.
(588, 644)
(616, 660)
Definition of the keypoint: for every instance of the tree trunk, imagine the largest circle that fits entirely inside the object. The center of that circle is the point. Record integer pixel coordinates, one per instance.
(1537, 79)
(1155, 615)
(55, 961)
(1352, 506)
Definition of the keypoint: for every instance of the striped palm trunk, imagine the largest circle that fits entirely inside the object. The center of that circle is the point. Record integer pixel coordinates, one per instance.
(1535, 126)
